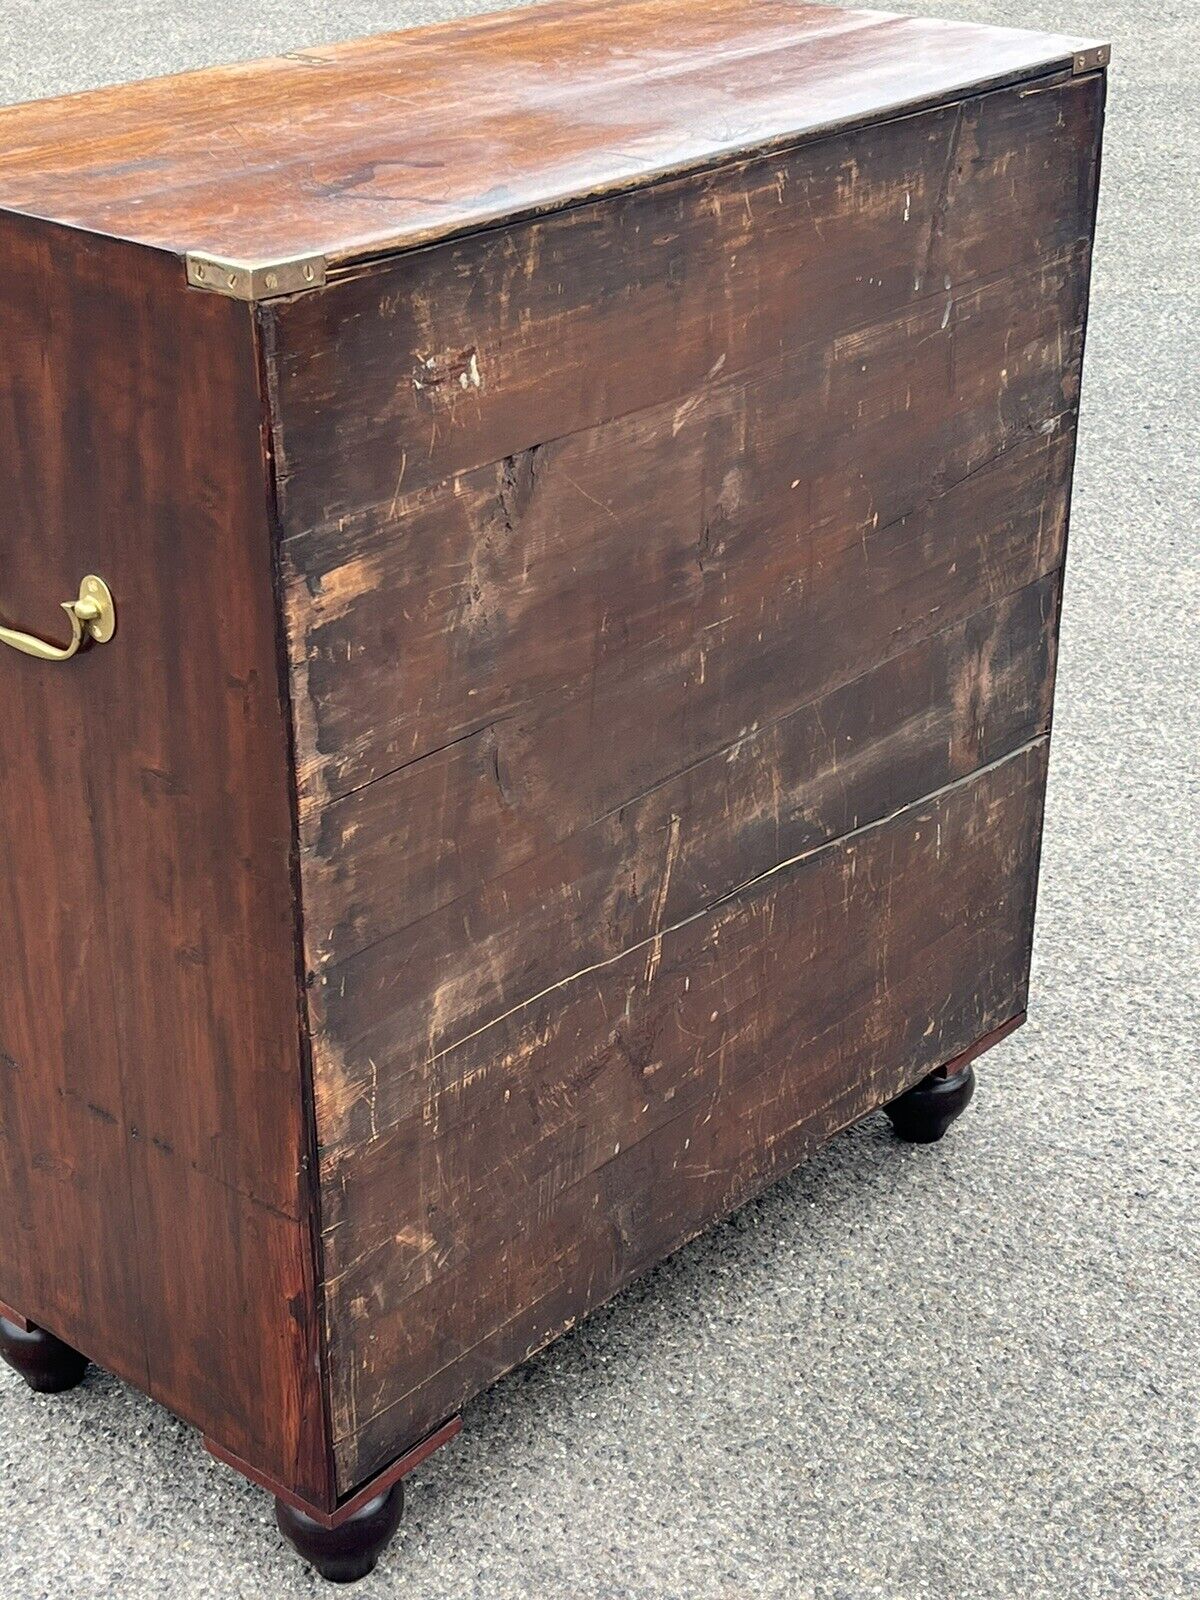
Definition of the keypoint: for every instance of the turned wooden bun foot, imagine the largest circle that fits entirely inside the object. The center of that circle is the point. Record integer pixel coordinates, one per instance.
(348, 1552)
(46, 1363)
(923, 1114)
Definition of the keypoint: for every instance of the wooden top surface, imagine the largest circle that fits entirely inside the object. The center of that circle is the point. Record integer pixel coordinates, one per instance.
(380, 144)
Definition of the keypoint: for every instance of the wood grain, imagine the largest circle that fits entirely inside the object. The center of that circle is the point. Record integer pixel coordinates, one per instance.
(387, 1017)
(943, 710)
(677, 581)
(377, 397)
(368, 147)
(607, 1125)
(724, 546)
(152, 1121)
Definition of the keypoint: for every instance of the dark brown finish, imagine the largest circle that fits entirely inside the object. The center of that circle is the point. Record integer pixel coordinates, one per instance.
(792, 1009)
(965, 1057)
(15, 1317)
(351, 1550)
(365, 148)
(576, 734)
(154, 1166)
(747, 272)
(47, 1364)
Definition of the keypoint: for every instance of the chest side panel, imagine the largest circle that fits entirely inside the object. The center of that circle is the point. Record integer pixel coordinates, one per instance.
(658, 575)
(151, 1134)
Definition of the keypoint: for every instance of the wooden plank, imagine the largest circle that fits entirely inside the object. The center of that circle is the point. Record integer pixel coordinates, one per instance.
(388, 1016)
(377, 145)
(396, 850)
(952, 705)
(721, 553)
(457, 357)
(615, 1121)
(152, 1123)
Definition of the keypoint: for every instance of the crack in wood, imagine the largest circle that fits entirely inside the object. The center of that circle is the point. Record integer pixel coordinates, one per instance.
(732, 894)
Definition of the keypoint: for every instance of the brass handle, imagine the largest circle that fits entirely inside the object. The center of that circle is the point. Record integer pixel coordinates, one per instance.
(93, 617)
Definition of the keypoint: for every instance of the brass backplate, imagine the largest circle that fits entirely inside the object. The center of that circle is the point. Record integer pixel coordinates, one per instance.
(101, 613)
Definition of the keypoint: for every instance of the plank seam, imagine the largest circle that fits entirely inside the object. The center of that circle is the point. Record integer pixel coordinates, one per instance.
(741, 888)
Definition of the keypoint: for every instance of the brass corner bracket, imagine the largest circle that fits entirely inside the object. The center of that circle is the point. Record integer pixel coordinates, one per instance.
(1092, 59)
(254, 280)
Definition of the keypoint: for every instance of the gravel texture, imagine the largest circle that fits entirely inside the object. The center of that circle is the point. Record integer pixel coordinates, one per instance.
(958, 1373)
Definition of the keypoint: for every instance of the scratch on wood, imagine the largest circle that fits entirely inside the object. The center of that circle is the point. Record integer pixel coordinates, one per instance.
(660, 899)
(741, 888)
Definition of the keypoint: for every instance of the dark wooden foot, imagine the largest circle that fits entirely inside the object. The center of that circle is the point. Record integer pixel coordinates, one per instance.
(46, 1363)
(923, 1114)
(348, 1552)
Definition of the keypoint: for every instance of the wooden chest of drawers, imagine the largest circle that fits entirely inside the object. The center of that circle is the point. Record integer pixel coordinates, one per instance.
(574, 505)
